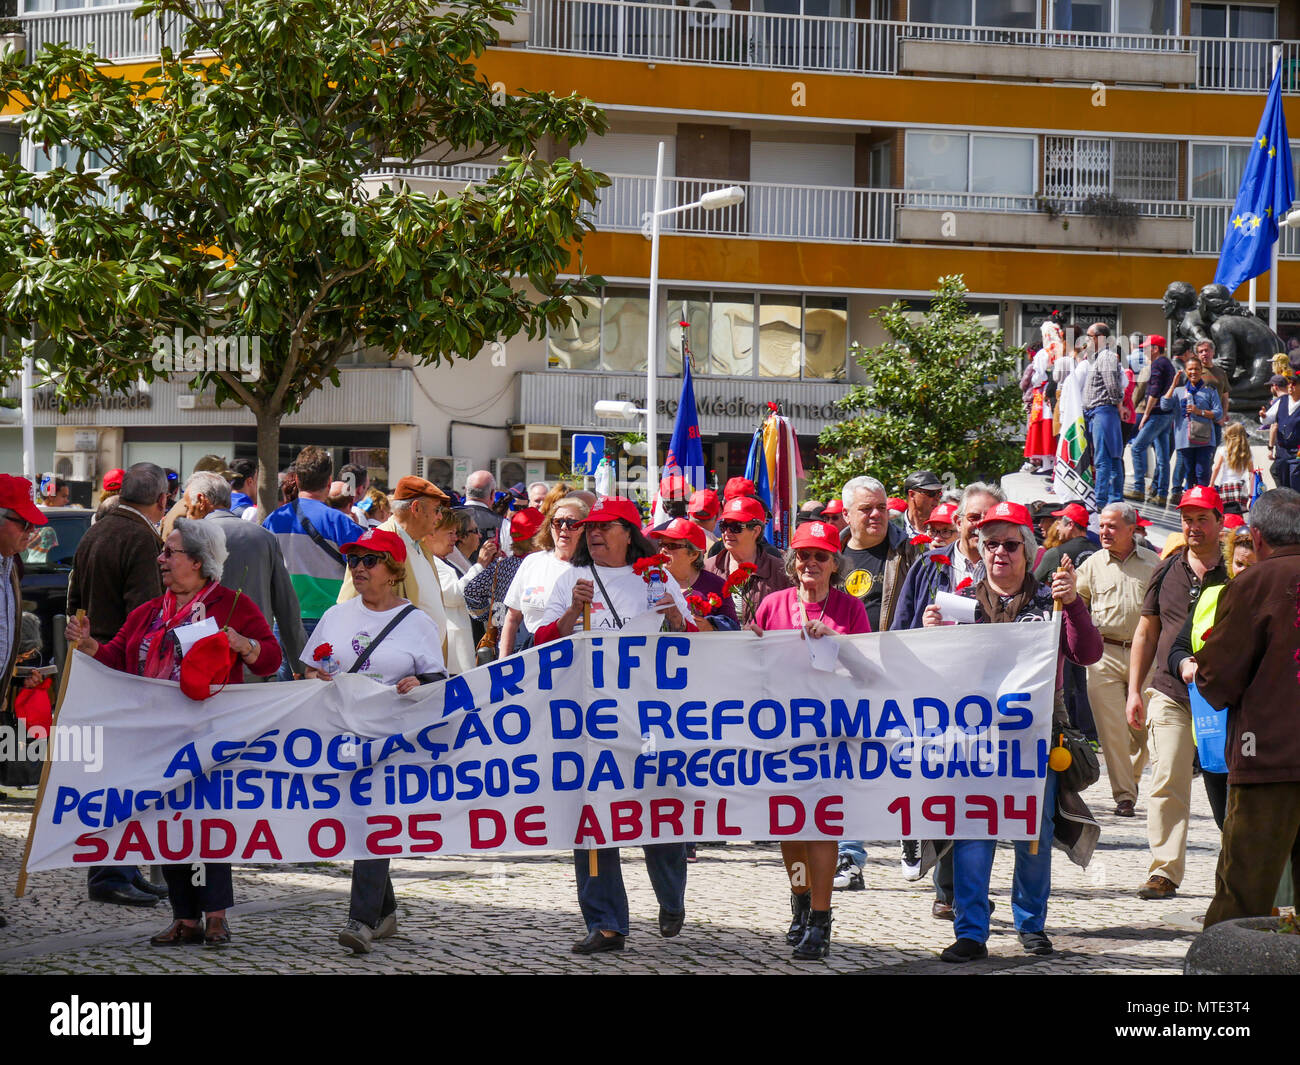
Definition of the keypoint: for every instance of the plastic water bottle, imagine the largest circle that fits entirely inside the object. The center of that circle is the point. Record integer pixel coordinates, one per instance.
(654, 589)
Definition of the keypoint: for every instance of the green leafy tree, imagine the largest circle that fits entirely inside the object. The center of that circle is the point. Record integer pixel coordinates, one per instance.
(941, 396)
(224, 195)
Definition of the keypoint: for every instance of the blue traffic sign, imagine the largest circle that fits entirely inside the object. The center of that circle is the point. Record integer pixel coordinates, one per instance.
(588, 450)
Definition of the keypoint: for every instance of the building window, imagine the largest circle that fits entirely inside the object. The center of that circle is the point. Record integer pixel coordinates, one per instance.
(1074, 318)
(975, 162)
(1216, 169)
(1142, 17)
(1237, 52)
(729, 334)
(1079, 167)
(1008, 14)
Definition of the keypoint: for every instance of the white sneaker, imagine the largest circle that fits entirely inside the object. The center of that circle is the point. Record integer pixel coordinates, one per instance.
(848, 876)
(911, 860)
(387, 927)
(358, 937)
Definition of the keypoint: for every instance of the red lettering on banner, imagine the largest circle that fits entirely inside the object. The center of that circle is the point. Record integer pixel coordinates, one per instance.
(942, 809)
(725, 829)
(828, 817)
(529, 828)
(208, 850)
(774, 805)
(625, 820)
(983, 808)
(666, 812)
(262, 839)
(903, 807)
(430, 841)
(313, 837)
(1029, 815)
(98, 848)
(133, 841)
(476, 838)
(387, 827)
(589, 828)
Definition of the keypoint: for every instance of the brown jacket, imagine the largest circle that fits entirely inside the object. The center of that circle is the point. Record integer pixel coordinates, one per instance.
(1251, 664)
(114, 570)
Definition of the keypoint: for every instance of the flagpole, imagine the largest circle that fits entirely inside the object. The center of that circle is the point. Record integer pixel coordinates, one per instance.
(652, 339)
(1272, 272)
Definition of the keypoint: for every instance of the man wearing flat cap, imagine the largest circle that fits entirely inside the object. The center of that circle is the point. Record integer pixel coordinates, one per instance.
(417, 506)
(923, 490)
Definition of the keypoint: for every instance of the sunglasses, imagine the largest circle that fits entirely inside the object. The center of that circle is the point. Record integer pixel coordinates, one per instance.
(735, 527)
(670, 545)
(600, 526)
(369, 561)
(1009, 546)
(813, 556)
(565, 523)
(27, 526)
(167, 552)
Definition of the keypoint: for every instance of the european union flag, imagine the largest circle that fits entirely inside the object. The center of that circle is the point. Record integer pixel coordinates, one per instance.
(1267, 189)
(685, 449)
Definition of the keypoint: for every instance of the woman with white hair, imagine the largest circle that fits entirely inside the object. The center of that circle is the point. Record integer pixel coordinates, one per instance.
(1009, 593)
(191, 561)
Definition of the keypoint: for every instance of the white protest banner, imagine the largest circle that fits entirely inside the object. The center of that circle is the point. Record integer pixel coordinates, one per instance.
(597, 740)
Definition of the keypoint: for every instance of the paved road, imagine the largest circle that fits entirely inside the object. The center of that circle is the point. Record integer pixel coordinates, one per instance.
(519, 914)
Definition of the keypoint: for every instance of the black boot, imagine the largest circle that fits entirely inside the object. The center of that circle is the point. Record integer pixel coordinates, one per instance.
(816, 942)
(799, 906)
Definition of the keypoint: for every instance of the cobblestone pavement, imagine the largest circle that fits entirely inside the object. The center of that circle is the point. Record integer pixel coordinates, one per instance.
(519, 914)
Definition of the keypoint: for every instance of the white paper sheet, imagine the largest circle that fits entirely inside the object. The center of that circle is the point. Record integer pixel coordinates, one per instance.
(955, 607)
(824, 652)
(189, 635)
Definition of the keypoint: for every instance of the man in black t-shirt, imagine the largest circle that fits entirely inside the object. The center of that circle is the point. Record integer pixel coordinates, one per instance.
(876, 553)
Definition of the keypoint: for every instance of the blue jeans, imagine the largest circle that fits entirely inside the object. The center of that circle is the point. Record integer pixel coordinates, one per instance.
(285, 672)
(1199, 462)
(1108, 453)
(1030, 885)
(603, 899)
(1155, 434)
(855, 849)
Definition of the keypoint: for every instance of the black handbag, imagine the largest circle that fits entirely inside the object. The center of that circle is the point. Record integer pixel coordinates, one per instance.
(1085, 769)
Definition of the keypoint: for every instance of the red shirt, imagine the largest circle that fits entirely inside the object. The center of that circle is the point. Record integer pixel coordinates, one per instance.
(123, 651)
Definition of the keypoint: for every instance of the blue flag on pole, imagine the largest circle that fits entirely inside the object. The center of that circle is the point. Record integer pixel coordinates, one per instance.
(685, 449)
(1267, 189)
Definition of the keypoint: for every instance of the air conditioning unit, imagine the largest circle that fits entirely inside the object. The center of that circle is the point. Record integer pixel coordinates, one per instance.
(75, 465)
(709, 14)
(446, 471)
(535, 441)
(510, 472)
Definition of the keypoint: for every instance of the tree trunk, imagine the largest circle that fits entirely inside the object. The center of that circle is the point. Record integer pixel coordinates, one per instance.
(268, 459)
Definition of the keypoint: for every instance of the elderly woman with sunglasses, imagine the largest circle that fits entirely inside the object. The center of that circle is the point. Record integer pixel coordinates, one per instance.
(1009, 593)
(388, 639)
(741, 528)
(818, 607)
(191, 562)
(525, 599)
(684, 543)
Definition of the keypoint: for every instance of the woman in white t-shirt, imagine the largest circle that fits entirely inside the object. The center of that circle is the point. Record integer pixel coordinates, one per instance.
(602, 577)
(1233, 469)
(526, 598)
(347, 640)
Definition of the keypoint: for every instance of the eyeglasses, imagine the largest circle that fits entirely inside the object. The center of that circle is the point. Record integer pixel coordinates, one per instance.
(565, 523)
(813, 556)
(600, 526)
(1009, 546)
(167, 552)
(369, 561)
(929, 493)
(669, 545)
(28, 526)
(735, 527)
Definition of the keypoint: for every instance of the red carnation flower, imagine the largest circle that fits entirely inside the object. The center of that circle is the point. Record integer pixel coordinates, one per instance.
(919, 539)
(643, 565)
(772, 406)
(714, 600)
(684, 325)
(941, 560)
(322, 652)
(747, 568)
(963, 585)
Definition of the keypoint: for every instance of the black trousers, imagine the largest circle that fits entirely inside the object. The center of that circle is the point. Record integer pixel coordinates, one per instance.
(372, 892)
(1216, 790)
(214, 891)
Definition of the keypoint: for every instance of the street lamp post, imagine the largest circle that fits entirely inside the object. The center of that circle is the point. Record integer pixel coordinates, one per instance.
(710, 201)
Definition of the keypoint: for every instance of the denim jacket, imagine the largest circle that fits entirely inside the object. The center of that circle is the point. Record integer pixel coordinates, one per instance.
(1204, 397)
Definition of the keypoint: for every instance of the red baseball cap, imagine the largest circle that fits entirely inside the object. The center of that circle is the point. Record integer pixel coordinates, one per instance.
(16, 495)
(743, 508)
(835, 506)
(207, 663)
(1155, 340)
(739, 486)
(113, 480)
(1075, 513)
(1233, 521)
(943, 514)
(681, 529)
(380, 541)
(897, 505)
(1015, 513)
(817, 534)
(615, 508)
(525, 523)
(1144, 523)
(674, 486)
(1201, 496)
(704, 504)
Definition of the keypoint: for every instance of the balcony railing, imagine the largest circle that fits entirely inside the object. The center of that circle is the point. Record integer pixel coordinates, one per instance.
(113, 32)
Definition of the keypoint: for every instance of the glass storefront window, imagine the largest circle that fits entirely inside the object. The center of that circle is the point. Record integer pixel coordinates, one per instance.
(623, 330)
(692, 307)
(577, 345)
(825, 337)
(731, 335)
(780, 336)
